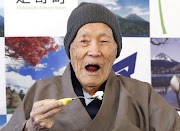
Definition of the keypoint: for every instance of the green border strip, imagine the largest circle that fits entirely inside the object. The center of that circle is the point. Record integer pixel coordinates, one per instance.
(161, 18)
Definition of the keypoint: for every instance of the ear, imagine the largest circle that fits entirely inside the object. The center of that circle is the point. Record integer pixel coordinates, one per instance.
(70, 51)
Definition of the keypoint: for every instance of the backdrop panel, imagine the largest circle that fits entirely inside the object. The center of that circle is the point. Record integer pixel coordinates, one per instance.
(32, 46)
(164, 18)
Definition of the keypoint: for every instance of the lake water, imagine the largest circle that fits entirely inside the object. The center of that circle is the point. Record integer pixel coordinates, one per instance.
(164, 75)
(161, 84)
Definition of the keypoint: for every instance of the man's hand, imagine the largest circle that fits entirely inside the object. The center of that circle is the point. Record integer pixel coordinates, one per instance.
(42, 115)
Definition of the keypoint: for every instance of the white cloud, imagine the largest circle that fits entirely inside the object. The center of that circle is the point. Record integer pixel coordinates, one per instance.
(60, 71)
(113, 8)
(1, 3)
(104, 2)
(19, 82)
(58, 41)
(14, 63)
(138, 11)
(110, 4)
(39, 67)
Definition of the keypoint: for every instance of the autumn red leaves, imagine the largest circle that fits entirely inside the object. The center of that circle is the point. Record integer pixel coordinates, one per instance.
(30, 49)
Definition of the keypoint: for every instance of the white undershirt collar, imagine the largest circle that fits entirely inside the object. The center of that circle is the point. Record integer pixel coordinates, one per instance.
(86, 95)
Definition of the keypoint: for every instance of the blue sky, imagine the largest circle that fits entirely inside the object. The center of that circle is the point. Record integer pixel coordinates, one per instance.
(125, 7)
(54, 61)
(170, 48)
(23, 78)
(2, 7)
(141, 3)
(2, 12)
(139, 7)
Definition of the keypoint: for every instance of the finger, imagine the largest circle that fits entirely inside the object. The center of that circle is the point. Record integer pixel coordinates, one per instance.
(47, 124)
(42, 102)
(47, 117)
(40, 126)
(50, 113)
(45, 108)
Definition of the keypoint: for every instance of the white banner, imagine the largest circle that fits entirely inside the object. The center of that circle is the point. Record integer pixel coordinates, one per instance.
(33, 18)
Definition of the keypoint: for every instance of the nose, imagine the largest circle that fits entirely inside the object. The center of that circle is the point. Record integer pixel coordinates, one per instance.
(94, 49)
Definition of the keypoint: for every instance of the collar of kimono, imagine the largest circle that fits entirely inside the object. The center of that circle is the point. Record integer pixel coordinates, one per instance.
(77, 110)
(79, 90)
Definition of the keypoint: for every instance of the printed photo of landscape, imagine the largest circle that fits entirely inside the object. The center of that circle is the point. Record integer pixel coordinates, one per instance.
(29, 59)
(1, 18)
(133, 15)
(165, 69)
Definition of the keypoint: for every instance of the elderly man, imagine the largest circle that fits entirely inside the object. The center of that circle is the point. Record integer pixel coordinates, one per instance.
(93, 42)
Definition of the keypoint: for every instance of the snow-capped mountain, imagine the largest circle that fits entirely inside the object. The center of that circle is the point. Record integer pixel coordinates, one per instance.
(163, 56)
(163, 64)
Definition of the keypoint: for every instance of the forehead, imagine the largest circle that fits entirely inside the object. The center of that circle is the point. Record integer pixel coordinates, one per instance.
(95, 28)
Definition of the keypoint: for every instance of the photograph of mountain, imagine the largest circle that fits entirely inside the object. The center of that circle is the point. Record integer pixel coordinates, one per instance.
(29, 59)
(165, 69)
(1, 19)
(163, 64)
(133, 15)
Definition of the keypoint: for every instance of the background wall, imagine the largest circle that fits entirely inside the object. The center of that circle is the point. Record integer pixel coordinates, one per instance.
(31, 45)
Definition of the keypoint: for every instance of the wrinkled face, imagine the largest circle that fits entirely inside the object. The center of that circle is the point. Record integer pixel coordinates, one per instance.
(92, 54)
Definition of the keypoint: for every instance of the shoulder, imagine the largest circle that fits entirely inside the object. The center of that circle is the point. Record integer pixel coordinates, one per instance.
(53, 79)
(138, 90)
(134, 84)
(143, 93)
(50, 80)
(48, 83)
(48, 88)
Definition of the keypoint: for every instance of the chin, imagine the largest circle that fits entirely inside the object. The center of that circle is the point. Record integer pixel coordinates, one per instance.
(92, 83)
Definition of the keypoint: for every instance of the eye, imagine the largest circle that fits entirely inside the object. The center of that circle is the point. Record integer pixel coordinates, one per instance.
(84, 41)
(104, 41)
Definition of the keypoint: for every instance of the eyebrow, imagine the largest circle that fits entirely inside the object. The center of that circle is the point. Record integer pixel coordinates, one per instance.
(105, 32)
(80, 33)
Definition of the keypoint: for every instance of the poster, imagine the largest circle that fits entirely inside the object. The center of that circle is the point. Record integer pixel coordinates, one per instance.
(165, 68)
(31, 45)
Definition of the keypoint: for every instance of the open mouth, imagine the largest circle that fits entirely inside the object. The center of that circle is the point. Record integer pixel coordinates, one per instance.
(92, 68)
